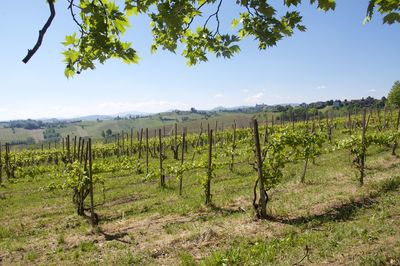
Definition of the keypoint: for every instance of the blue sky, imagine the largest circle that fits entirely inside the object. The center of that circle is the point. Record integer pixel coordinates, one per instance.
(337, 58)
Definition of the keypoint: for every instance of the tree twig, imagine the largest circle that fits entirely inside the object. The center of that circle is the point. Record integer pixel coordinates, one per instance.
(191, 20)
(70, 7)
(216, 16)
(42, 32)
(306, 255)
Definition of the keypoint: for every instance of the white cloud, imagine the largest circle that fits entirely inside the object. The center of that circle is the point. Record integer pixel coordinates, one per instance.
(372, 90)
(103, 108)
(218, 95)
(257, 98)
(321, 87)
(246, 91)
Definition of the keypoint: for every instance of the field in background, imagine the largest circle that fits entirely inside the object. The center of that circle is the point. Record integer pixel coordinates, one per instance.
(94, 129)
(20, 134)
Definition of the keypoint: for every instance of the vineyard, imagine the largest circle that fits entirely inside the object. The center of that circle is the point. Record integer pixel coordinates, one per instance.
(321, 190)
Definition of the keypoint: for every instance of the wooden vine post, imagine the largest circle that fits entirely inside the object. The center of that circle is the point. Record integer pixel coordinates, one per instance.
(200, 142)
(175, 147)
(68, 149)
(147, 150)
(395, 144)
(131, 144)
(140, 143)
(1, 167)
(182, 159)
(118, 146)
(266, 131)
(262, 206)
(81, 156)
(7, 160)
(80, 143)
(162, 176)
(233, 146)
(349, 123)
(329, 127)
(185, 144)
(74, 148)
(82, 196)
(123, 142)
(93, 220)
(363, 148)
(216, 131)
(154, 143)
(209, 168)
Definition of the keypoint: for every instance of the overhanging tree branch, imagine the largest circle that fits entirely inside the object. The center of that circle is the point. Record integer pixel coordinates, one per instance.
(216, 16)
(42, 32)
(70, 7)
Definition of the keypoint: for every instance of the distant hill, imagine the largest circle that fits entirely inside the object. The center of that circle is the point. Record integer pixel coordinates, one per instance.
(93, 118)
(131, 113)
(222, 108)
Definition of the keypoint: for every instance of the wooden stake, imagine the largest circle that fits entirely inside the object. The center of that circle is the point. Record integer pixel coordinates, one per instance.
(397, 129)
(182, 158)
(68, 149)
(162, 176)
(262, 202)
(209, 168)
(147, 150)
(140, 143)
(363, 148)
(233, 145)
(131, 152)
(92, 214)
(74, 148)
(1, 167)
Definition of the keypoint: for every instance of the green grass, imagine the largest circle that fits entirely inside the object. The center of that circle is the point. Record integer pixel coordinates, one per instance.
(333, 218)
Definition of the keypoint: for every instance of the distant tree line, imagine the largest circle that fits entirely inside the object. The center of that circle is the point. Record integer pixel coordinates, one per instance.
(51, 134)
(31, 124)
(299, 112)
(26, 124)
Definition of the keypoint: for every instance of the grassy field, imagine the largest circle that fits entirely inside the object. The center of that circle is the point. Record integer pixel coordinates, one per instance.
(20, 134)
(94, 129)
(192, 123)
(328, 220)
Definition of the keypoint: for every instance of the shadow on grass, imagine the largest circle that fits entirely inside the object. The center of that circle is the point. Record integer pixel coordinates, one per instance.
(344, 211)
(225, 211)
(117, 237)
